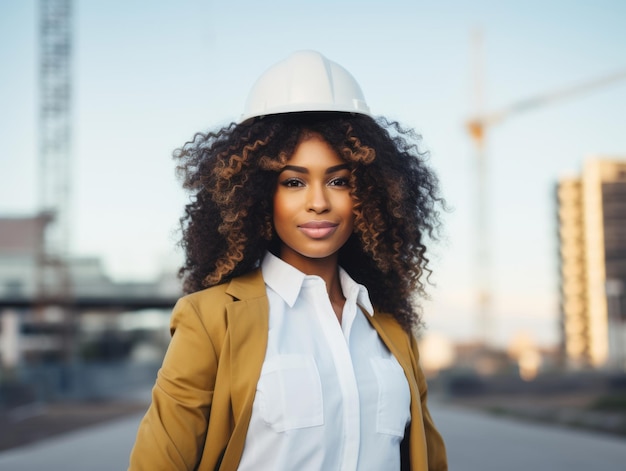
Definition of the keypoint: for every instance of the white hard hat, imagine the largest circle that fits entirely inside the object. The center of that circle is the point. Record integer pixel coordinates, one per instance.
(305, 81)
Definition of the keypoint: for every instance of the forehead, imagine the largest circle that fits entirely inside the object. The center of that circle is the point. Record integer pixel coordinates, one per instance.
(313, 150)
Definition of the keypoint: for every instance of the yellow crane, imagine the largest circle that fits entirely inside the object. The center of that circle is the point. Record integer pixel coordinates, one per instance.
(477, 127)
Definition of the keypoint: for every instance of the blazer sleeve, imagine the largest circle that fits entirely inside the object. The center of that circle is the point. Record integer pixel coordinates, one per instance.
(172, 433)
(437, 458)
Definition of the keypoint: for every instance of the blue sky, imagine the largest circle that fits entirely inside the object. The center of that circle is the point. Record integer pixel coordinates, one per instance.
(149, 74)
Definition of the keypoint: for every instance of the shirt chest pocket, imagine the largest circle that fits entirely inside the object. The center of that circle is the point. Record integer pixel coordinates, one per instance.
(394, 397)
(289, 393)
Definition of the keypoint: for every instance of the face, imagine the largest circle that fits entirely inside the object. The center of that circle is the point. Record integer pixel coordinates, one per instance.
(312, 205)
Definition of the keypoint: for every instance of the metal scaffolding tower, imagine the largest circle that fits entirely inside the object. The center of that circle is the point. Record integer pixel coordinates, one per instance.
(55, 144)
(55, 120)
(53, 307)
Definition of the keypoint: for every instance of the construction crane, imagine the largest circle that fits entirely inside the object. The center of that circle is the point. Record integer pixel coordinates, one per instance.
(55, 120)
(477, 127)
(53, 282)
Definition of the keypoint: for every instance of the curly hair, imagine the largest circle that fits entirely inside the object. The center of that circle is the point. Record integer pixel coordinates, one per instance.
(232, 175)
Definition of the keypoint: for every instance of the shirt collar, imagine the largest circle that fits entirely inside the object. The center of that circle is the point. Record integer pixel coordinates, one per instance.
(287, 282)
(354, 291)
(283, 278)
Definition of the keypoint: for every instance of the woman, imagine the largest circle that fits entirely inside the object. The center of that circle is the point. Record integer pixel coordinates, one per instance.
(304, 242)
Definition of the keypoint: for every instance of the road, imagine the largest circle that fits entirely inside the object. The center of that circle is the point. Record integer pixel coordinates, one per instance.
(475, 442)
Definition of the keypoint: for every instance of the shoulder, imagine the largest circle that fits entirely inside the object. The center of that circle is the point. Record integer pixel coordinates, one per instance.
(243, 287)
(388, 324)
(401, 342)
(210, 304)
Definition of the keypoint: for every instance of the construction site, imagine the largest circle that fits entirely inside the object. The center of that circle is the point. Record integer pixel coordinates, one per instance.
(78, 347)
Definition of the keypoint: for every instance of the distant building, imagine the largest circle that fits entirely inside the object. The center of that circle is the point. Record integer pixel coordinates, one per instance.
(21, 243)
(592, 250)
(46, 304)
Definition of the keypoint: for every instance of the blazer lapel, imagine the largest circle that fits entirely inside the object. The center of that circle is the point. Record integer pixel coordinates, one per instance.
(397, 341)
(248, 324)
(394, 337)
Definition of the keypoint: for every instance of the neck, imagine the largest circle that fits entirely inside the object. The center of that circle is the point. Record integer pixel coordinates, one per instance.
(326, 268)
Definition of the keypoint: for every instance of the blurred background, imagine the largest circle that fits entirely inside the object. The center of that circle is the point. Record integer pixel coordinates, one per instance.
(520, 106)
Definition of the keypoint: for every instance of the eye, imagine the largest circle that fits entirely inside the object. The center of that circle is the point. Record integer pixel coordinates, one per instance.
(292, 182)
(339, 181)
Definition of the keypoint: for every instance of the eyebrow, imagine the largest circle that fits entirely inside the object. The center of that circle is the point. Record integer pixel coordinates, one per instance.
(305, 170)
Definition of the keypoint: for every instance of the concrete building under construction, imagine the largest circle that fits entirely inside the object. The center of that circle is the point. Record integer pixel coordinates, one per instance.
(592, 253)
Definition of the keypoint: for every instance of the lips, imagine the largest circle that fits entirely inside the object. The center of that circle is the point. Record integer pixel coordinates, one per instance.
(318, 229)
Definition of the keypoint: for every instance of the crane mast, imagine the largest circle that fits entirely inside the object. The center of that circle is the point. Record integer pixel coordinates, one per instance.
(53, 308)
(481, 267)
(55, 139)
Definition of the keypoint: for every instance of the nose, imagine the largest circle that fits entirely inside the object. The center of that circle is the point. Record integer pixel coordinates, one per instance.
(317, 199)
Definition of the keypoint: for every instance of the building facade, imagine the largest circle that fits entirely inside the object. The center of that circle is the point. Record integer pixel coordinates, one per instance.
(592, 254)
(48, 307)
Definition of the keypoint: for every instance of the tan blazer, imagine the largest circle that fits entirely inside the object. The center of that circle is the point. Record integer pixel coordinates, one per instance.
(202, 399)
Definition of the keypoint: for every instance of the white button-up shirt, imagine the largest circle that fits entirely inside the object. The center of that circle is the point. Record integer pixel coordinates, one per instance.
(331, 396)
